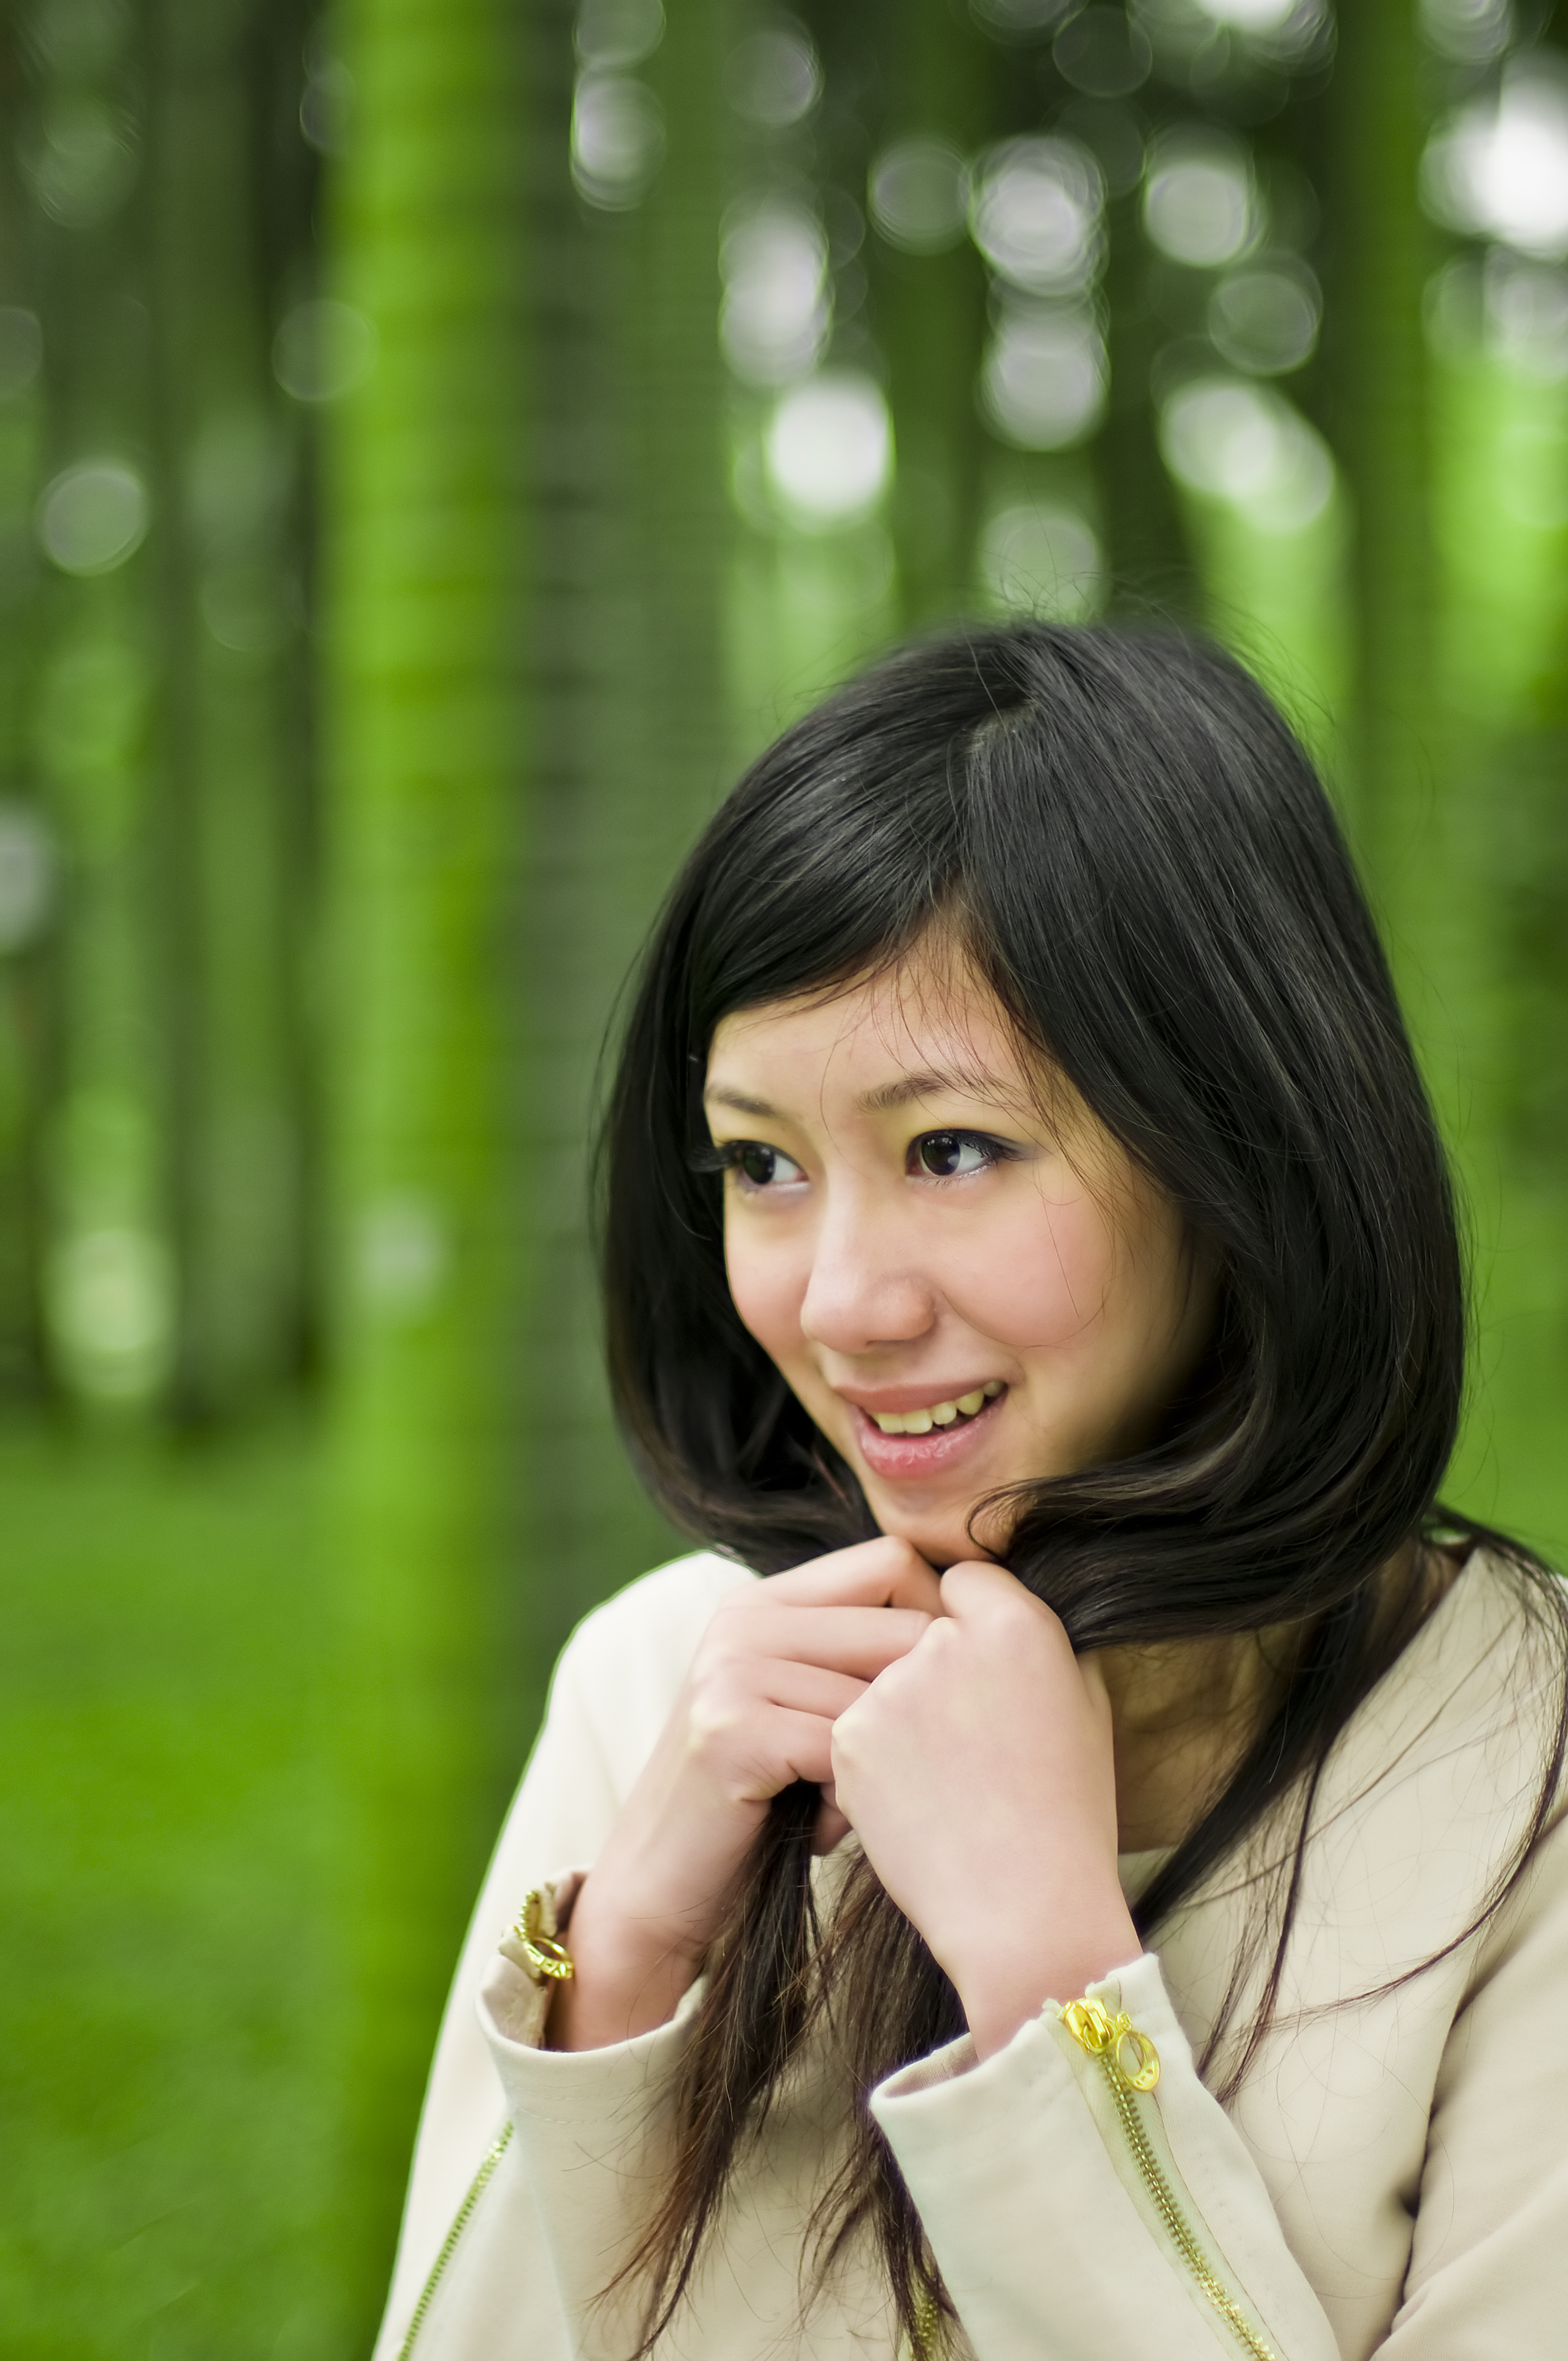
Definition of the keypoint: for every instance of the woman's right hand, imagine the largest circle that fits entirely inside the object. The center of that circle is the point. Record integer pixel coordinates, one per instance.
(779, 1660)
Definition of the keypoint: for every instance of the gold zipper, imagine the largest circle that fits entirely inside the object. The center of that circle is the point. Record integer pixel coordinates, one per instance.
(476, 2189)
(1130, 2065)
(930, 2341)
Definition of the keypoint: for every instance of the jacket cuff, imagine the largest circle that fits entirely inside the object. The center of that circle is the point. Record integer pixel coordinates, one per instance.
(567, 2086)
(1040, 2202)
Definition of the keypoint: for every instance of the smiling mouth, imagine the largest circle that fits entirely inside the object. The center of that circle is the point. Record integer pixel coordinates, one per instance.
(956, 1412)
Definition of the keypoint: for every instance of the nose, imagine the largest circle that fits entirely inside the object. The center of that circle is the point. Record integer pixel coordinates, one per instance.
(866, 1287)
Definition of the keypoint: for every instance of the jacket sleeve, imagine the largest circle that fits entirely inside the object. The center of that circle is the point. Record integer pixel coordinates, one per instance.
(1075, 2218)
(612, 1690)
(577, 2141)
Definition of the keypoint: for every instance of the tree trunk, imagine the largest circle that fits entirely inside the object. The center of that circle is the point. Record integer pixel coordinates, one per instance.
(425, 734)
(1376, 396)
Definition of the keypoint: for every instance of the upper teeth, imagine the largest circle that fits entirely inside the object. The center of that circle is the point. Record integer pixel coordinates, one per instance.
(942, 1413)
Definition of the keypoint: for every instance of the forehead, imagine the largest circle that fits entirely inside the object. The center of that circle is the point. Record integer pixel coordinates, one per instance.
(923, 1017)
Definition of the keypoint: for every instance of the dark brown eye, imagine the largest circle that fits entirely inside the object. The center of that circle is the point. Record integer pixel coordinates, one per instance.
(756, 1166)
(939, 1153)
(948, 1154)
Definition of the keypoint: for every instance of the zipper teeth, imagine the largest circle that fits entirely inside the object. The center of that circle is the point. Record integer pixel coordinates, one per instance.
(1175, 2220)
(476, 2188)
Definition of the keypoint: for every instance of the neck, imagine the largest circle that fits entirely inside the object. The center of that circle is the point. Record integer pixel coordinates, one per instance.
(1186, 1711)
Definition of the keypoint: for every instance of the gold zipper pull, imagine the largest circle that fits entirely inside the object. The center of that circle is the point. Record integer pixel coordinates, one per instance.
(1131, 2054)
(544, 1960)
(1131, 2062)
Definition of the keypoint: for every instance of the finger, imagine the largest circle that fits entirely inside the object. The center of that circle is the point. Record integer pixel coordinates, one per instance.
(883, 1573)
(808, 1688)
(798, 1745)
(972, 1589)
(750, 1749)
(830, 1829)
(859, 1640)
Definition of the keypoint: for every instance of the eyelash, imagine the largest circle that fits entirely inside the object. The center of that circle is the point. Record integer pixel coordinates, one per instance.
(727, 1157)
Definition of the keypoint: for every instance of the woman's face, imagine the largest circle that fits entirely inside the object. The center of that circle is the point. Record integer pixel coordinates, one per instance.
(963, 1290)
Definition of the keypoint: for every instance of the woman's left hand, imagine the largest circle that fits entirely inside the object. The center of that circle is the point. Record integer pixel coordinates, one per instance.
(978, 1773)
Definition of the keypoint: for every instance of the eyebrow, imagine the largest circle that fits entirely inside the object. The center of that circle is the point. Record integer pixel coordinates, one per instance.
(882, 1101)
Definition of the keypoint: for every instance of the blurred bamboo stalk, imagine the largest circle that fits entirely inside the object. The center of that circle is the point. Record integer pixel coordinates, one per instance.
(939, 77)
(1377, 404)
(426, 726)
(235, 877)
(154, 1087)
(625, 447)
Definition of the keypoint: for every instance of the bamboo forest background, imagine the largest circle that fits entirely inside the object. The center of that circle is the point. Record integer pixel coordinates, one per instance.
(439, 440)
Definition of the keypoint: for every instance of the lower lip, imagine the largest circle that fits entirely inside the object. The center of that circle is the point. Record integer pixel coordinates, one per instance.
(893, 1456)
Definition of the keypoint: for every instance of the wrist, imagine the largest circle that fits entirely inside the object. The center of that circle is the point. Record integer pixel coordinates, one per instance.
(629, 1976)
(1006, 1982)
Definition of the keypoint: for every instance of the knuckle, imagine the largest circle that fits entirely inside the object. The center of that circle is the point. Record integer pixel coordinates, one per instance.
(716, 1715)
(731, 1641)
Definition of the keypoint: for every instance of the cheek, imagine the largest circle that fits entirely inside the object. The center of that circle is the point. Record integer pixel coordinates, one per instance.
(767, 1286)
(1040, 1278)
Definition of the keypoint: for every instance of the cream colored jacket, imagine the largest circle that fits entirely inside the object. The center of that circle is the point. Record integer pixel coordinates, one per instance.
(1392, 2178)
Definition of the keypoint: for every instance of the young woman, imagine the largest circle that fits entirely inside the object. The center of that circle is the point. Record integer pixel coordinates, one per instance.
(1103, 1891)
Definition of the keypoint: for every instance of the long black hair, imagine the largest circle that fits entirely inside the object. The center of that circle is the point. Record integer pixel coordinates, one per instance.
(1133, 850)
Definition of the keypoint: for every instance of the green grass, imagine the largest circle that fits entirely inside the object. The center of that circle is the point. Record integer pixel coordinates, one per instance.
(170, 1992)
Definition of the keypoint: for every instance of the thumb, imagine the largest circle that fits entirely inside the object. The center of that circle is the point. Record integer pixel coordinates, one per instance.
(972, 1585)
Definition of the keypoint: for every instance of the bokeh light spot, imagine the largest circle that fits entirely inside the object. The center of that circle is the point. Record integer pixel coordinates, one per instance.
(775, 314)
(1249, 448)
(323, 350)
(773, 76)
(1021, 19)
(618, 140)
(403, 1255)
(1470, 30)
(1527, 319)
(1035, 215)
(1042, 560)
(1104, 53)
(1044, 381)
(1266, 318)
(109, 1299)
(326, 104)
(829, 450)
(1499, 167)
(247, 609)
(918, 193)
(1199, 202)
(1283, 30)
(28, 873)
(1250, 16)
(1513, 310)
(81, 163)
(93, 516)
(618, 32)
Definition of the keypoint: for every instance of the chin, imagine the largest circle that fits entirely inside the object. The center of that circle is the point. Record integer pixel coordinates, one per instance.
(941, 1537)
